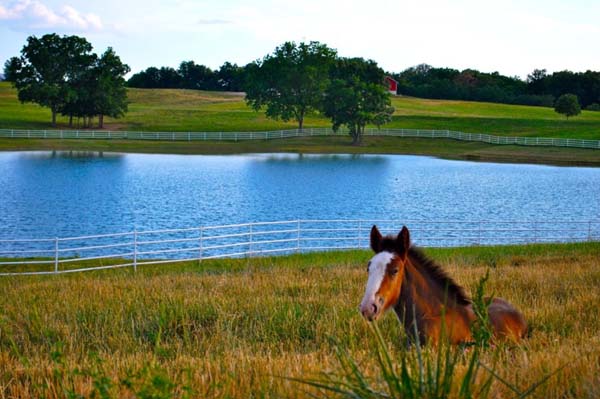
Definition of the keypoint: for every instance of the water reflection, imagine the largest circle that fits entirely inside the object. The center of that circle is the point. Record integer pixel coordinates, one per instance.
(321, 158)
(80, 155)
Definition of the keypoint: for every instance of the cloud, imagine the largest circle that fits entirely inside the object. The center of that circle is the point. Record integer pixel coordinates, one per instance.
(213, 22)
(33, 14)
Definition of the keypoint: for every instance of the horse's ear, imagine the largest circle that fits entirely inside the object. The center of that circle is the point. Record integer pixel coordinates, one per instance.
(403, 241)
(376, 239)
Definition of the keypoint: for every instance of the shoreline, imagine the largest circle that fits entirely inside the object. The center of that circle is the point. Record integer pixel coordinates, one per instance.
(439, 148)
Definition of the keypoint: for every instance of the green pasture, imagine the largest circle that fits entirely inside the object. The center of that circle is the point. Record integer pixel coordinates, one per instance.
(191, 110)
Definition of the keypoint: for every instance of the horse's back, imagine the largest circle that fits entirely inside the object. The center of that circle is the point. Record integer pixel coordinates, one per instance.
(507, 321)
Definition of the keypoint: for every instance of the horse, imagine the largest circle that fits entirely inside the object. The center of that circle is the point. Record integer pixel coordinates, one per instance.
(425, 298)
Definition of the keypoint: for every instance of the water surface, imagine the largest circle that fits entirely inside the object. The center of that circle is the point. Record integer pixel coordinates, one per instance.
(44, 194)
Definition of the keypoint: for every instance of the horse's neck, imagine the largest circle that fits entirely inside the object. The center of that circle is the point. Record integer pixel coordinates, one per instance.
(425, 307)
(422, 296)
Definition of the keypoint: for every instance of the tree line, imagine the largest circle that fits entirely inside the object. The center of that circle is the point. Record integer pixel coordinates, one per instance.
(63, 74)
(189, 75)
(425, 81)
(540, 88)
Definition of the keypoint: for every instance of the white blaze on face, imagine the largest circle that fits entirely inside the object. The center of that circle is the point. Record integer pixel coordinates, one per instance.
(377, 268)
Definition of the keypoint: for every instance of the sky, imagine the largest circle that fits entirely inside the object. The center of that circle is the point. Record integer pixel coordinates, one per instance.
(512, 37)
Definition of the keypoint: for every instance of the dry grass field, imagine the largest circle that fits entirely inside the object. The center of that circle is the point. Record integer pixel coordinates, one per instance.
(233, 328)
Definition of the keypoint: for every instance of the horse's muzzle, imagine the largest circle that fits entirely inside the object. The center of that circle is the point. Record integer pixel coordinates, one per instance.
(369, 311)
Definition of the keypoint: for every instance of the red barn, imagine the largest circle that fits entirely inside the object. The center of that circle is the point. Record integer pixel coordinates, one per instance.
(392, 85)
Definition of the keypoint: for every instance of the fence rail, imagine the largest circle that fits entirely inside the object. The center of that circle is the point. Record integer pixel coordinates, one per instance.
(280, 134)
(137, 248)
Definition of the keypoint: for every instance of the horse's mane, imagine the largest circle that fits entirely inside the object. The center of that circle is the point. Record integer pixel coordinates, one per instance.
(439, 275)
(430, 268)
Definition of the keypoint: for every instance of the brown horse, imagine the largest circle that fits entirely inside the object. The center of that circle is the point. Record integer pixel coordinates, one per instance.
(420, 291)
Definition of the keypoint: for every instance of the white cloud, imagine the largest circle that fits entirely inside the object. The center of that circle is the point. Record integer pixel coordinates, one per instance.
(214, 21)
(33, 14)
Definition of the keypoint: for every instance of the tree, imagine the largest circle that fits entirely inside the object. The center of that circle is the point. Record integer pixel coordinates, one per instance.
(150, 78)
(63, 74)
(291, 81)
(356, 97)
(11, 66)
(537, 81)
(567, 105)
(98, 90)
(111, 93)
(230, 77)
(195, 76)
(46, 65)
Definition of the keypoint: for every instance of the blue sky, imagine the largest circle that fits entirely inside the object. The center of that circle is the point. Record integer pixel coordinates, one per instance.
(512, 37)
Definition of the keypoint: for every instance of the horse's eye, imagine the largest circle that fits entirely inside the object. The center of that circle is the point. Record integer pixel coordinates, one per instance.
(393, 272)
(368, 266)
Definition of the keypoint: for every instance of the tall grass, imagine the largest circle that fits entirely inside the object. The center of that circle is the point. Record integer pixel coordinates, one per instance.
(419, 373)
(227, 329)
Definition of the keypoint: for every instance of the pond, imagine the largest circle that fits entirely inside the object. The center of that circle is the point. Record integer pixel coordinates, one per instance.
(59, 194)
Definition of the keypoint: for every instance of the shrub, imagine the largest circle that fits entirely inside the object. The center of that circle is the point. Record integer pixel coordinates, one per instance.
(567, 105)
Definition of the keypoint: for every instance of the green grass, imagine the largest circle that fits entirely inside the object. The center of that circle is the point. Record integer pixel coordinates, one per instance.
(191, 110)
(230, 328)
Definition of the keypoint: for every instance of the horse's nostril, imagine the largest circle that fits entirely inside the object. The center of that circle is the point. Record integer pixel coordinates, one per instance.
(374, 309)
(381, 301)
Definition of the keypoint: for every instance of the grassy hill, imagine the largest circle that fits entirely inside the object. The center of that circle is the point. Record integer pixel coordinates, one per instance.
(233, 328)
(190, 110)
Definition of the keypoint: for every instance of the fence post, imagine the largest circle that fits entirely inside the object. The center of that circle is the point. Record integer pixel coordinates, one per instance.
(56, 255)
(298, 236)
(589, 231)
(359, 233)
(135, 250)
(479, 234)
(201, 238)
(251, 240)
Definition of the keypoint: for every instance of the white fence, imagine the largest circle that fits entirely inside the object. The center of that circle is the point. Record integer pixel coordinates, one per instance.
(279, 134)
(137, 248)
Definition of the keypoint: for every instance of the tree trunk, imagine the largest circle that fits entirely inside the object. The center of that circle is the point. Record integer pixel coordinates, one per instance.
(71, 120)
(53, 117)
(101, 121)
(357, 135)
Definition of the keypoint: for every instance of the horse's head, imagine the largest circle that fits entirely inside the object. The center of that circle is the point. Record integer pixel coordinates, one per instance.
(386, 271)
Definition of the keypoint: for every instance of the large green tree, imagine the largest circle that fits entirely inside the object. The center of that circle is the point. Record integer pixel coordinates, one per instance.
(290, 82)
(47, 65)
(357, 96)
(63, 74)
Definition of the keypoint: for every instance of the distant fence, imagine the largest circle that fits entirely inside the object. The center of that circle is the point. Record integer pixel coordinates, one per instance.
(137, 248)
(279, 134)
